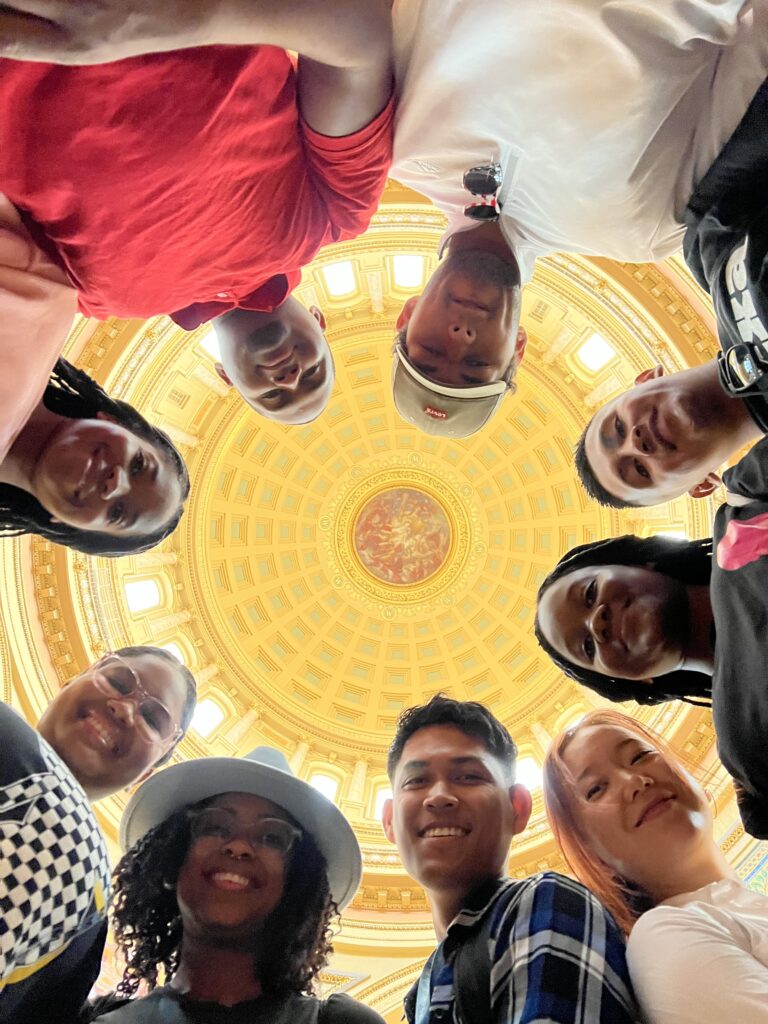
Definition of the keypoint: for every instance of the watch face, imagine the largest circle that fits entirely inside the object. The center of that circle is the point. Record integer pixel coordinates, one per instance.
(484, 180)
(742, 366)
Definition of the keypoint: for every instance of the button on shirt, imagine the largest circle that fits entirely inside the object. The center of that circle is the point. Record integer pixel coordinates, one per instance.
(184, 182)
(603, 114)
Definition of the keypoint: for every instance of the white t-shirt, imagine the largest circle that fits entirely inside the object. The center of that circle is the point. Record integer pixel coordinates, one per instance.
(604, 115)
(702, 957)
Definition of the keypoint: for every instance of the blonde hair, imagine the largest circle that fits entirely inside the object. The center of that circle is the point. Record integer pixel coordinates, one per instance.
(625, 900)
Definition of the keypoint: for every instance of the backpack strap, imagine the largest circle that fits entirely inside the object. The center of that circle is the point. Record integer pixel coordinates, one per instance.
(472, 972)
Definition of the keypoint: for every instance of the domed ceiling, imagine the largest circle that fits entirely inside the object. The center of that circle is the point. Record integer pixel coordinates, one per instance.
(327, 576)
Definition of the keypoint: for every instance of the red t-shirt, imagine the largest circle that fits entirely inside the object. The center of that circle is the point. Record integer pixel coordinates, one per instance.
(184, 182)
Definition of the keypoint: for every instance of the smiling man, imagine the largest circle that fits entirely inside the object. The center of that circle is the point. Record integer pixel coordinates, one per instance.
(666, 436)
(274, 158)
(280, 362)
(460, 342)
(106, 729)
(540, 949)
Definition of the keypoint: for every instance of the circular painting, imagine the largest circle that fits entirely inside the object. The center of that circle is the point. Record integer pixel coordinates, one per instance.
(402, 536)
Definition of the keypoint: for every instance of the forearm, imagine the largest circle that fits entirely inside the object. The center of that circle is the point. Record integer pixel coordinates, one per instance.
(353, 34)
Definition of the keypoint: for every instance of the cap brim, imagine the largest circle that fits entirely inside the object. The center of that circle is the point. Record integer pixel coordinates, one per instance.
(438, 409)
(184, 784)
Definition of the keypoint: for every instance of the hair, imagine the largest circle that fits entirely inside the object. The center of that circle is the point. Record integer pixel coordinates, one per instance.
(141, 650)
(72, 393)
(625, 900)
(468, 716)
(689, 562)
(589, 481)
(148, 926)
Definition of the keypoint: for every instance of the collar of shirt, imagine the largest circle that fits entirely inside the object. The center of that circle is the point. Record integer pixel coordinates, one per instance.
(266, 298)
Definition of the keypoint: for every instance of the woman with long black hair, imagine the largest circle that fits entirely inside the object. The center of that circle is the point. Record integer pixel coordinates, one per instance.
(89, 472)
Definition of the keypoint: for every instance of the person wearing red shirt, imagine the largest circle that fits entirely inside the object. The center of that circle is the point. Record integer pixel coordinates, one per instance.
(199, 182)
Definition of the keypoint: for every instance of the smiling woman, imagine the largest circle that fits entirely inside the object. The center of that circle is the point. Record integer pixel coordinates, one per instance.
(614, 616)
(89, 472)
(636, 828)
(235, 871)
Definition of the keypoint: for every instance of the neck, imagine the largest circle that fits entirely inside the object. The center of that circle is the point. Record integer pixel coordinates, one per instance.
(487, 236)
(445, 904)
(698, 654)
(702, 866)
(217, 974)
(732, 414)
(18, 466)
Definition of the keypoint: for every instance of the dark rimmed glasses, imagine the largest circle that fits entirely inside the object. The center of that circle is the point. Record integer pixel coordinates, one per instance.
(221, 823)
(114, 677)
(484, 181)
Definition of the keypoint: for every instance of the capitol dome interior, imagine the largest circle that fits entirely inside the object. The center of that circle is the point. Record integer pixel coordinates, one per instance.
(327, 576)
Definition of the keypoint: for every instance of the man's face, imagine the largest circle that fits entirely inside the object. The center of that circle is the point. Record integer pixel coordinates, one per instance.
(660, 439)
(96, 735)
(619, 620)
(463, 329)
(280, 362)
(453, 812)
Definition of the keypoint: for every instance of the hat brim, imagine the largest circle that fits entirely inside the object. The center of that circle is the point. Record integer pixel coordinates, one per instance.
(438, 409)
(184, 784)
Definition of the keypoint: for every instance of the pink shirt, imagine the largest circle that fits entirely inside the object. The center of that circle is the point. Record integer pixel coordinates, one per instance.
(37, 306)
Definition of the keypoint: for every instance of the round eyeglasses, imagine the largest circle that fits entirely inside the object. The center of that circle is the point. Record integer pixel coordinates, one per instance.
(223, 824)
(115, 678)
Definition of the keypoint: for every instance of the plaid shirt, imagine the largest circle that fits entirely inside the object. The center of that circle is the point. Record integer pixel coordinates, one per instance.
(555, 954)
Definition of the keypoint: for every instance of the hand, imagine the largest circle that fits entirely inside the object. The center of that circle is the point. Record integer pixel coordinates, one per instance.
(99, 31)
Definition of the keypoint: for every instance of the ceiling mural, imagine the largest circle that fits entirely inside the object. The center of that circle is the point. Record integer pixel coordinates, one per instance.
(325, 577)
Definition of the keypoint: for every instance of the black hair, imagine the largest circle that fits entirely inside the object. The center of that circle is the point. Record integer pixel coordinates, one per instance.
(689, 562)
(190, 700)
(148, 927)
(589, 481)
(466, 715)
(72, 393)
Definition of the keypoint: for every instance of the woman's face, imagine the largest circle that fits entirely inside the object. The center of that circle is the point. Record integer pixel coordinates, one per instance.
(229, 883)
(639, 815)
(617, 620)
(96, 475)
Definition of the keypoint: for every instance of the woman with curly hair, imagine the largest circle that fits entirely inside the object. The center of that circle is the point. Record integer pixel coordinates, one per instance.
(636, 828)
(234, 873)
(89, 472)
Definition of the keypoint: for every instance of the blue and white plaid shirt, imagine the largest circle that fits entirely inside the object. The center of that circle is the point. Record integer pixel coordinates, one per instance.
(556, 956)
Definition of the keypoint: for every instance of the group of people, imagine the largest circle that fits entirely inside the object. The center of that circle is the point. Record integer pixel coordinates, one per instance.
(177, 159)
(224, 903)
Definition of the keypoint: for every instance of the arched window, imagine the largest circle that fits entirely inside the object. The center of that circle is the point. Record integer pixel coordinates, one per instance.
(141, 595)
(528, 773)
(208, 714)
(382, 795)
(325, 784)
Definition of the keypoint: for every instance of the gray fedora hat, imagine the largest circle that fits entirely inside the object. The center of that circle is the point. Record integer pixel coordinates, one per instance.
(264, 772)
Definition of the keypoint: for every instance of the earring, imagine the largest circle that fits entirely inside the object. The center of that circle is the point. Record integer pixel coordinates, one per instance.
(169, 886)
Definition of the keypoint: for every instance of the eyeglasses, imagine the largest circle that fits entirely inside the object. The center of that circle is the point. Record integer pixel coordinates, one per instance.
(114, 677)
(269, 833)
(485, 182)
